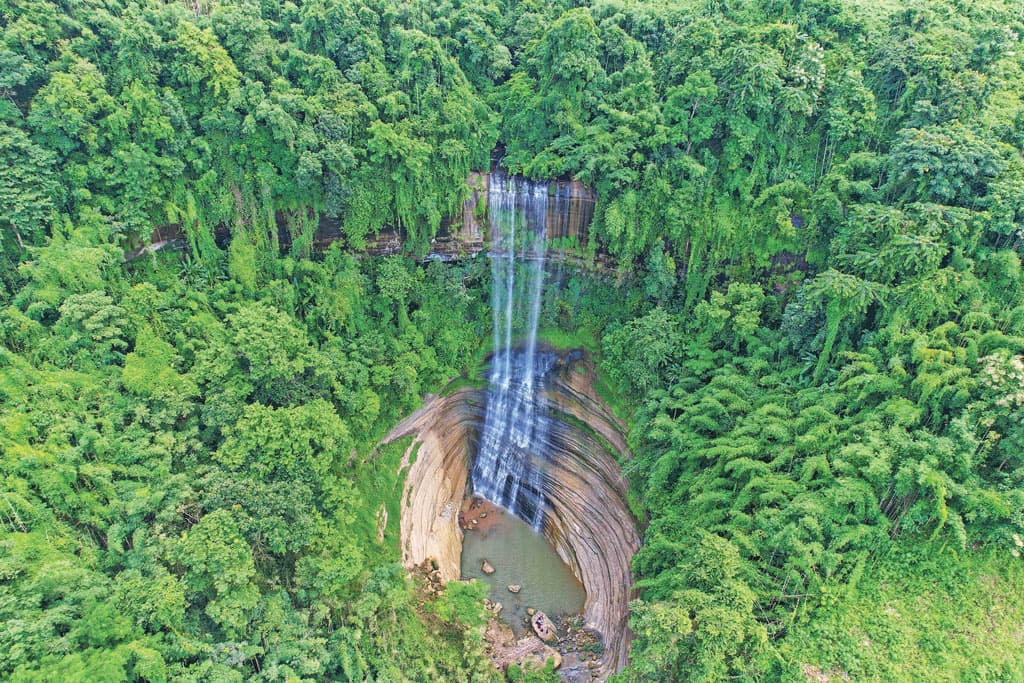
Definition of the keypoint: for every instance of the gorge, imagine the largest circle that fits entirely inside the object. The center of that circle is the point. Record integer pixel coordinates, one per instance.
(537, 440)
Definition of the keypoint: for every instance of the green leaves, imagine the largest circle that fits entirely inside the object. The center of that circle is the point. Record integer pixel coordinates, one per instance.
(29, 193)
(948, 166)
(805, 482)
(220, 571)
(91, 329)
(823, 342)
(639, 353)
(270, 348)
(462, 604)
(706, 631)
(305, 442)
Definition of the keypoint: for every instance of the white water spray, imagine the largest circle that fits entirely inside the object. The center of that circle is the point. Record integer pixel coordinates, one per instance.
(509, 464)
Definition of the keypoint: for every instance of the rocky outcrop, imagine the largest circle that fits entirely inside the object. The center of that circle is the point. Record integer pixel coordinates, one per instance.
(543, 627)
(493, 607)
(569, 214)
(588, 521)
(528, 652)
(438, 471)
(589, 517)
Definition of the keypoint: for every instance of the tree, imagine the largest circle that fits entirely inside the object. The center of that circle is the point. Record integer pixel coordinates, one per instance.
(91, 328)
(705, 631)
(219, 572)
(638, 354)
(845, 297)
(29, 193)
(462, 604)
(305, 442)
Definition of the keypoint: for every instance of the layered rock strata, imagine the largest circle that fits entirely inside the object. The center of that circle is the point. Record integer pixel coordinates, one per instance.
(587, 521)
(569, 214)
(446, 430)
(464, 235)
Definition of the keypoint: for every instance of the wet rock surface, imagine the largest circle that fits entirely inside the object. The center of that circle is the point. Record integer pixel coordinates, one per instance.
(582, 652)
(464, 235)
(477, 514)
(587, 522)
(435, 484)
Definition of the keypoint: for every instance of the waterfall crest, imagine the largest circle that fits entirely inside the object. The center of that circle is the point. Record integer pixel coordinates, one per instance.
(509, 464)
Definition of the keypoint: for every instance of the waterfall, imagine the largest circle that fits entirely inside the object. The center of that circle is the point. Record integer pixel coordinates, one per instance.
(509, 463)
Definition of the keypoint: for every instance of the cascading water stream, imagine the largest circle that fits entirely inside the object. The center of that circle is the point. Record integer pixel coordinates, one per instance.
(509, 464)
(545, 449)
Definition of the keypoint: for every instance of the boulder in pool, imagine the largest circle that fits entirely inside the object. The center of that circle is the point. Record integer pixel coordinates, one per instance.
(543, 627)
(486, 567)
(514, 588)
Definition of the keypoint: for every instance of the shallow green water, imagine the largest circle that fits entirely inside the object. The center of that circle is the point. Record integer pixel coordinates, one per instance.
(521, 556)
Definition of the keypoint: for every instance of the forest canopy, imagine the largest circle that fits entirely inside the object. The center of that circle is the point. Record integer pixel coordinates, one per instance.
(813, 324)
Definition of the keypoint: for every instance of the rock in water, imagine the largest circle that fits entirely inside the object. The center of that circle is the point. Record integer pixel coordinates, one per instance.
(486, 567)
(514, 588)
(543, 627)
(530, 611)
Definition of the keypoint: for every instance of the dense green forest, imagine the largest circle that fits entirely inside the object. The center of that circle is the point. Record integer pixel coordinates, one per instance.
(814, 325)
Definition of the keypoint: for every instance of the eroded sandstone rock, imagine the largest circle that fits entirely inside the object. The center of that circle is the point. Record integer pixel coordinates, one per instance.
(588, 523)
(504, 649)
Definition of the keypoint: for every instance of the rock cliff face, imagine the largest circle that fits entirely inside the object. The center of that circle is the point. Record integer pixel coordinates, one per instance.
(570, 211)
(445, 431)
(464, 235)
(588, 521)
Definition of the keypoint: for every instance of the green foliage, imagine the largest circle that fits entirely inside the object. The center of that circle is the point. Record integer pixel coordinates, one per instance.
(518, 674)
(28, 191)
(223, 117)
(705, 632)
(286, 443)
(638, 353)
(149, 370)
(462, 604)
(921, 612)
(814, 327)
(219, 571)
(189, 489)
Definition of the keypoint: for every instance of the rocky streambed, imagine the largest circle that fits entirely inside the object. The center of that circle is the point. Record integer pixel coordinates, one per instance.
(588, 522)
